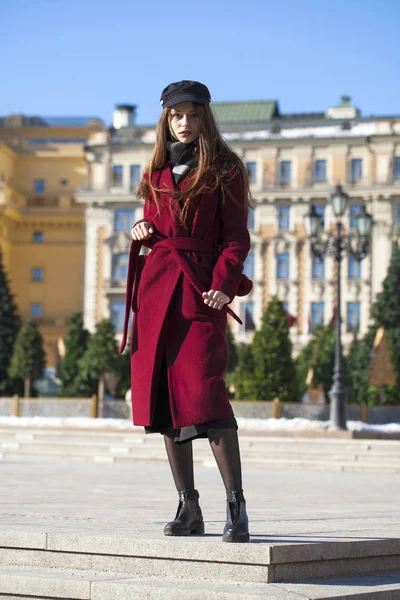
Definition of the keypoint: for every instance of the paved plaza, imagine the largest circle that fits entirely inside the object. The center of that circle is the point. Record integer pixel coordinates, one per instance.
(289, 511)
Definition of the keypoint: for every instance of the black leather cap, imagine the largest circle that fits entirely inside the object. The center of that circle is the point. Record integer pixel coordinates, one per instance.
(185, 91)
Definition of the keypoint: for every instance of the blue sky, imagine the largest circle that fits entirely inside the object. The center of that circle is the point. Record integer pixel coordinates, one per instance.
(70, 57)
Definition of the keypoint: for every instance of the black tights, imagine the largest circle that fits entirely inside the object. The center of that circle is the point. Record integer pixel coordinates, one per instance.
(225, 446)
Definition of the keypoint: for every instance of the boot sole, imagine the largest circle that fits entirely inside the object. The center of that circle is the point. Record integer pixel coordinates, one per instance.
(238, 538)
(198, 530)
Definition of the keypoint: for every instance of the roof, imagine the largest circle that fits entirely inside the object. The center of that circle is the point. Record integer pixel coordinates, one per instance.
(245, 112)
(36, 121)
(72, 121)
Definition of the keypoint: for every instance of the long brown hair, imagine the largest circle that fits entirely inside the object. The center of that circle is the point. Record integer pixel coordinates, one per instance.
(212, 153)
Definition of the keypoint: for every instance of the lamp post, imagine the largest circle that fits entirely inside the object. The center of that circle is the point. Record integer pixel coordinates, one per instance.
(335, 243)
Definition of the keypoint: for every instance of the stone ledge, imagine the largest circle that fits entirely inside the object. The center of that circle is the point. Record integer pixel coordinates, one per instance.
(25, 583)
(267, 559)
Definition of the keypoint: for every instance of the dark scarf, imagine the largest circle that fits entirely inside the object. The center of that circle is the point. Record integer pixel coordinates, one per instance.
(182, 158)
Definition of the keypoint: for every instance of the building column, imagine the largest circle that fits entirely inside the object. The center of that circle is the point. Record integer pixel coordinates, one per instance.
(95, 217)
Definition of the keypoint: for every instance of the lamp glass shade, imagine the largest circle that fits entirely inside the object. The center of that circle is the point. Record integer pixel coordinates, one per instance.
(363, 223)
(339, 201)
(312, 223)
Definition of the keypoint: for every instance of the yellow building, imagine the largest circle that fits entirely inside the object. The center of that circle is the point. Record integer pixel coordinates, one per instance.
(42, 163)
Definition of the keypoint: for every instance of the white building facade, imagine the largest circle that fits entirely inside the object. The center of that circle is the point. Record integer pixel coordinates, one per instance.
(293, 161)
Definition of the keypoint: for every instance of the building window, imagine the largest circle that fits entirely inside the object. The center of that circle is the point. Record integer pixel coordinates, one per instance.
(252, 171)
(118, 316)
(284, 217)
(285, 172)
(249, 265)
(320, 171)
(118, 175)
(36, 310)
(356, 170)
(285, 306)
(353, 317)
(120, 267)
(63, 182)
(283, 266)
(38, 237)
(37, 274)
(318, 267)
(354, 270)
(250, 220)
(135, 175)
(317, 314)
(320, 210)
(247, 316)
(124, 219)
(354, 210)
(396, 167)
(40, 186)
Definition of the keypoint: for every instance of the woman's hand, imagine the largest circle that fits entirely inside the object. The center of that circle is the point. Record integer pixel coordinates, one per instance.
(142, 231)
(215, 299)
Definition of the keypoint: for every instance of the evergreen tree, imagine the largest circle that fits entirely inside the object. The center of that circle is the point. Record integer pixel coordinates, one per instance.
(274, 372)
(124, 371)
(232, 362)
(28, 358)
(232, 351)
(76, 341)
(386, 313)
(304, 362)
(386, 310)
(101, 357)
(357, 365)
(319, 355)
(9, 327)
(243, 373)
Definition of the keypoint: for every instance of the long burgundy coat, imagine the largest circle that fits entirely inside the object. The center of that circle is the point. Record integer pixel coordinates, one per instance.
(169, 313)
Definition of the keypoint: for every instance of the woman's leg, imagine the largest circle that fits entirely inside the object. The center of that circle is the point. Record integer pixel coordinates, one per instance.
(188, 519)
(180, 457)
(225, 447)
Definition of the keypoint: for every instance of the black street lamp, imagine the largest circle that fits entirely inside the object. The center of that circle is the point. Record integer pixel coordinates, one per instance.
(334, 244)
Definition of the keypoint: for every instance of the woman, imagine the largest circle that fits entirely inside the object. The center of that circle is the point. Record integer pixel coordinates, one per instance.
(195, 223)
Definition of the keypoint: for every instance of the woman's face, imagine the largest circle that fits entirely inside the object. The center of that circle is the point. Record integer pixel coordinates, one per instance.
(184, 122)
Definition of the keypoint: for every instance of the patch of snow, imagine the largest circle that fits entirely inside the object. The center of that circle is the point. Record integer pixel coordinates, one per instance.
(78, 422)
(386, 428)
(296, 424)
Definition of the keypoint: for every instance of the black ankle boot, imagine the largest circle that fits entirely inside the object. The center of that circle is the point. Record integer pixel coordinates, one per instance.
(189, 519)
(237, 523)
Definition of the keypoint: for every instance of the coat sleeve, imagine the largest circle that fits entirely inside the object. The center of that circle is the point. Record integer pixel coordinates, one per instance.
(235, 238)
(150, 242)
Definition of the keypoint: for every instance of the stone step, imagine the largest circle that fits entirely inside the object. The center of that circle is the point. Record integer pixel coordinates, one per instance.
(248, 440)
(96, 446)
(120, 455)
(314, 466)
(248, 444)
(265, 560)
(22, 583)
(335, 454)
(252, 445)
(102, 426)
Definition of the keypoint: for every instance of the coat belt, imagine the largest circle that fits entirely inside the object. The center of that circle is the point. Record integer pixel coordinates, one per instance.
(174, 245)
(186, 243)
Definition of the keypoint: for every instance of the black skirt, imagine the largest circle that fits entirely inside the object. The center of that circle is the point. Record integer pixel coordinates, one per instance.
(162, 419)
